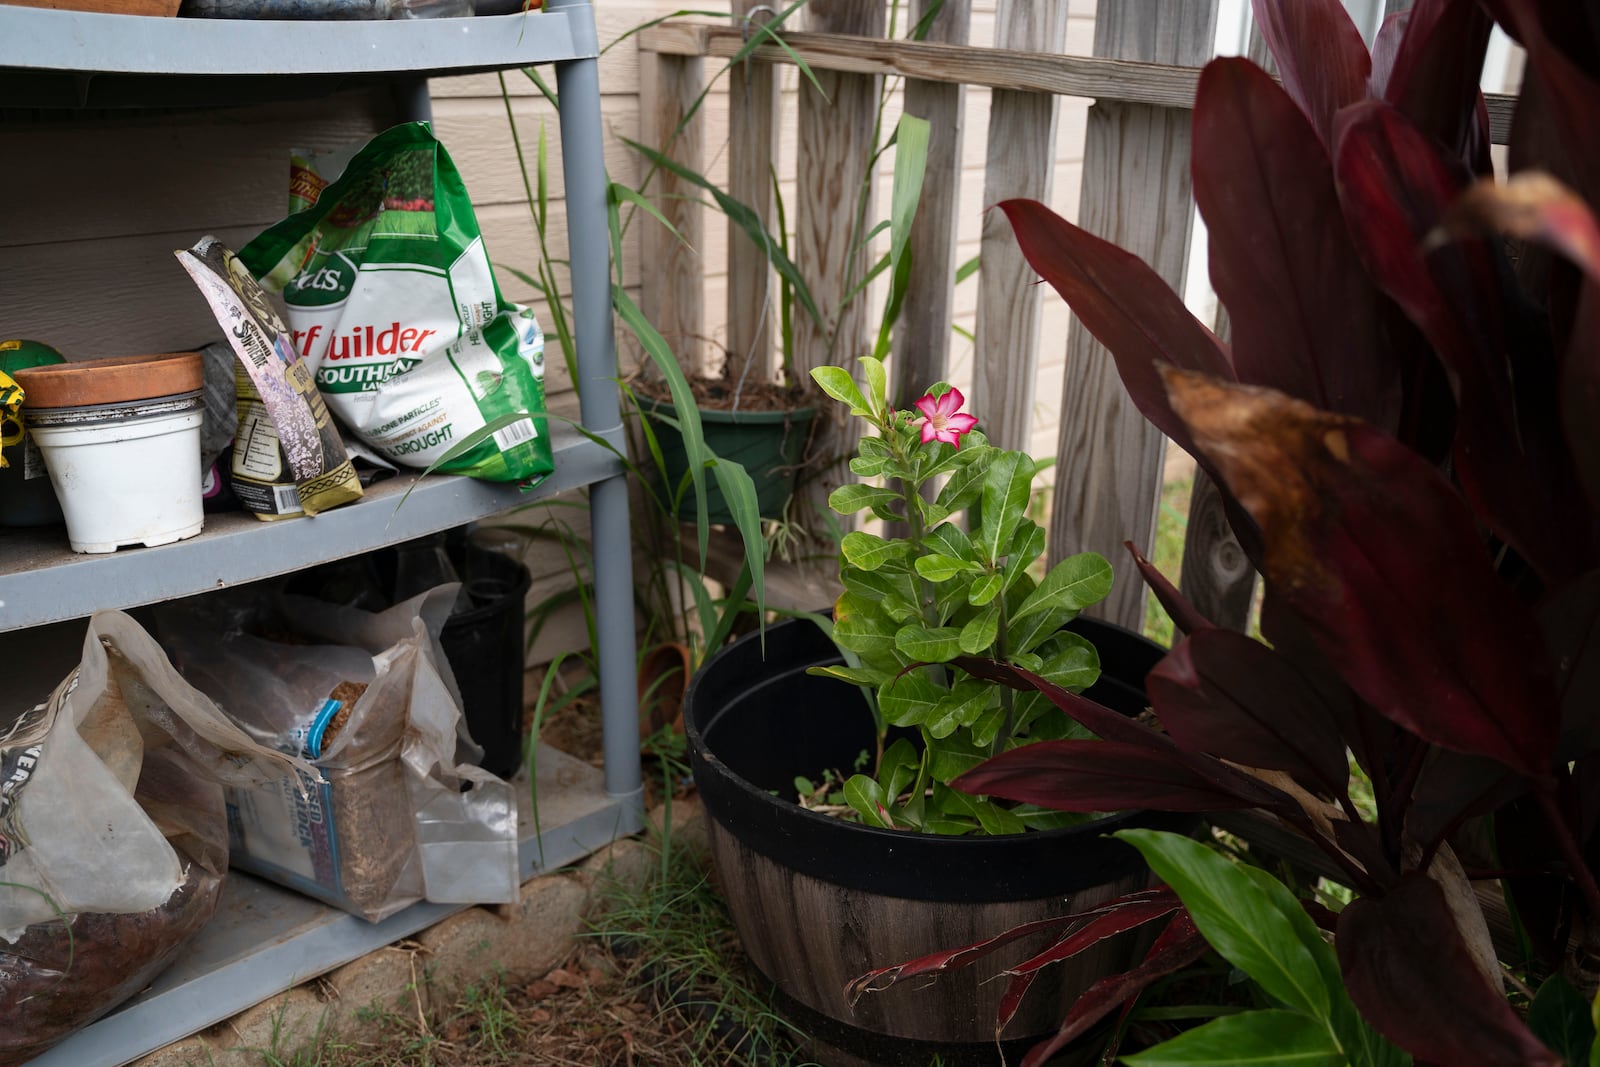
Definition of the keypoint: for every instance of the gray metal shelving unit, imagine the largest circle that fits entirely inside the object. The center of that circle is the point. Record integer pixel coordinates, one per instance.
(265, 939)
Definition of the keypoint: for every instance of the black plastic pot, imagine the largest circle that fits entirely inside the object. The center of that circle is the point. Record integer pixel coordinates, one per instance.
(486, 654)
(818, 900)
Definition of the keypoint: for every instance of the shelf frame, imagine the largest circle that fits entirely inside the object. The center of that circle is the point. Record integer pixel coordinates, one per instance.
(42, 581)
(78, 59)
(51, 59)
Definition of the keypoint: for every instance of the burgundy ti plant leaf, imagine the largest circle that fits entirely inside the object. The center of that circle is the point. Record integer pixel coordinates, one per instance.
(1230, 695)
(1419, 625)
(1094, 776)
(1307, 319)
(1386, 49)
(1084, 929)
(1434, 81)
(1125, 304)
(1397, 189)
(1319, 54)
(1411, 976)
(1179, 945)
(1184, 616)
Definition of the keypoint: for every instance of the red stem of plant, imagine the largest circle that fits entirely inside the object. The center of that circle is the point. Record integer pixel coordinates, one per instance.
(1570, 850)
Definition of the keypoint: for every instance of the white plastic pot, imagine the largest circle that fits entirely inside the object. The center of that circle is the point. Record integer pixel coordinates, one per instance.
(126, 473)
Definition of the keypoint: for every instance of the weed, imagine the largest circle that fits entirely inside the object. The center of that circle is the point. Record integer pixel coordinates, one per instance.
(673, 933)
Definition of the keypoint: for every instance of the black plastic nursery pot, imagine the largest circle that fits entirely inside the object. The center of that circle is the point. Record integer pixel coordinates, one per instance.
(486, 654)
(768, 444)
(818, 900)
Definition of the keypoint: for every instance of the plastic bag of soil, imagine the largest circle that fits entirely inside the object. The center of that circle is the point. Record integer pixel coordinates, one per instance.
(113, 833)
(288, 457)
(400, 814)
(394, 306)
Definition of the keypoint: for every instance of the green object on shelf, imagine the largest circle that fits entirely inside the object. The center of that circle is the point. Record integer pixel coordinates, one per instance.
(26, 496)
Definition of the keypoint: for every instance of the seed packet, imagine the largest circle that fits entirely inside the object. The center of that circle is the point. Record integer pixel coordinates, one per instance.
(288, 457)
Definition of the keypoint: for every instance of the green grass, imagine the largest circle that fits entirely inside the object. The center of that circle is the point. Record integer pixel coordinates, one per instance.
(1172, 524)
(675, 933)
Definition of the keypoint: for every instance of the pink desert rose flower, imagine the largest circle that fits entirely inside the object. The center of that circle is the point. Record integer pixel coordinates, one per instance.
(942, 419)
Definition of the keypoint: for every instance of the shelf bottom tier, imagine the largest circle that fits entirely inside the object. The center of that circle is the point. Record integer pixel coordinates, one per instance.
(264, 939)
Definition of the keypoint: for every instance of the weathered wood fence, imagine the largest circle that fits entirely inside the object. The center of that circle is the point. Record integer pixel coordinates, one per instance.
(1136, 192)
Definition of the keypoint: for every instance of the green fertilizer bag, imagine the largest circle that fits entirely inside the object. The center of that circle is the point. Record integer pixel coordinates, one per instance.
(395, 309)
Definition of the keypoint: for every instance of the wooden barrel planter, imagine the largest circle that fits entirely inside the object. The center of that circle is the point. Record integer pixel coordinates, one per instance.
(819, 900)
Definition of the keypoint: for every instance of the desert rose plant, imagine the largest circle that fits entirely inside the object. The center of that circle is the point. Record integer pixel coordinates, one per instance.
(1406, 429)
(914, 604)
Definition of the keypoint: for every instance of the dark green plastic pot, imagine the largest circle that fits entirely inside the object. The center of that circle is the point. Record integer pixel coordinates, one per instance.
(768, 444)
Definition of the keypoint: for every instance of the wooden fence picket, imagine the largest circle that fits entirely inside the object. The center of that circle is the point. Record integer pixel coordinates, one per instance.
(1021, 161)
(1135, 194)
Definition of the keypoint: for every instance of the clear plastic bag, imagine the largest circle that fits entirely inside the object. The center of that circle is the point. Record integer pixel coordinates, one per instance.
(401, 815)
(113, 834)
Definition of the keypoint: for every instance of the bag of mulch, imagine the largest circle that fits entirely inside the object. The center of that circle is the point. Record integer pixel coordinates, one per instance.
(288, 457)
(400, 813)
(394, 306)
(113, 833)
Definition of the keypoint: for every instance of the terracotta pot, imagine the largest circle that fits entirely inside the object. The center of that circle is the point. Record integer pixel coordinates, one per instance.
(89, 382)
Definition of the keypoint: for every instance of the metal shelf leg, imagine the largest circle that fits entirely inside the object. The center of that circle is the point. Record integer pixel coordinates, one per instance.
(578, 84)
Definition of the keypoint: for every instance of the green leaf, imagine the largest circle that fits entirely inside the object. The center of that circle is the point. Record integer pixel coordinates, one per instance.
(1071, 661)
(985, 589)
(890, 586)
(1239, 919)
(865, 795)
(867, 633)
(739, 494)
(898, 768)
(854, 675)
(978, 635)
(993, 818)
(837, 383)
(923, 645)
(851, 498)
(1249, 1039)
(941, 568)
(962, 490)
(1004, 500)
(745, 217)
(877, 380)
(909, 699)
(948, 825)
(954, 756)
(1027, 546)
(1073, 584)
(1350, 1030)
(958, 707)
(1559, 1016)
(986, 727)
(619, 192)
(910, 167)
(694, 441)
(868, 551)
